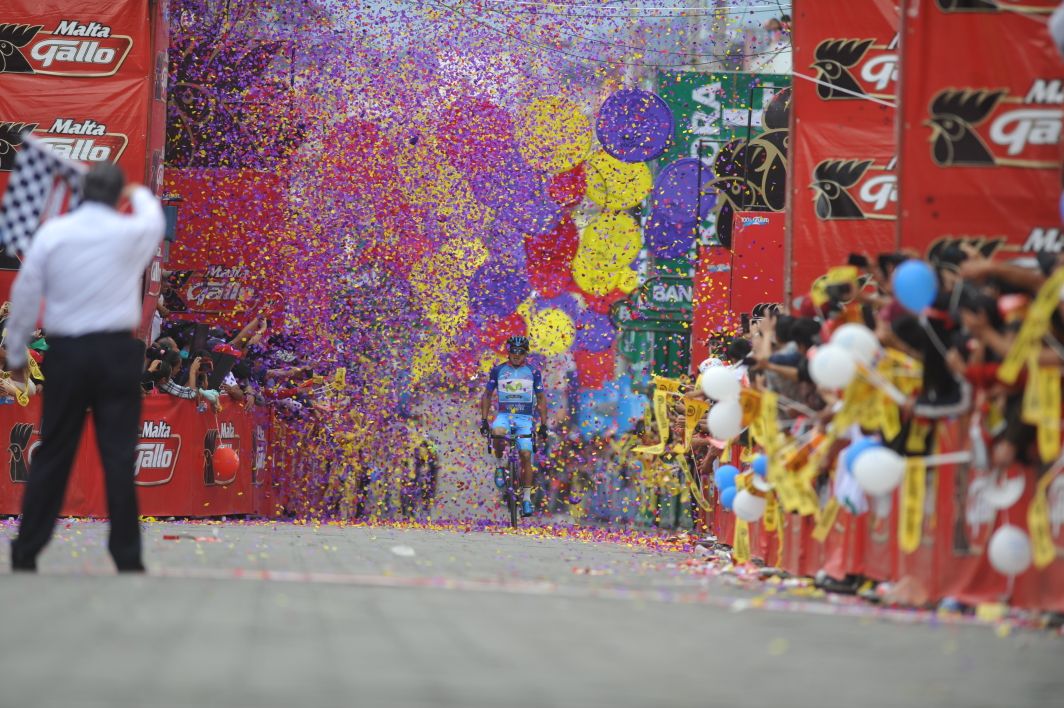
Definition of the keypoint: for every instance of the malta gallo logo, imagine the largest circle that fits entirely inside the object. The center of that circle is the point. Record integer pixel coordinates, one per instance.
(855, 189)
(224, 436)
(991, 128)
(71, 49)
(157, 453)
(79, 140)
(1039, 238)
(856, 68)
(23, 441)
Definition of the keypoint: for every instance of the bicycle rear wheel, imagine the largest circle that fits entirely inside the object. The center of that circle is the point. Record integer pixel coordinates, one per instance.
(511, 496)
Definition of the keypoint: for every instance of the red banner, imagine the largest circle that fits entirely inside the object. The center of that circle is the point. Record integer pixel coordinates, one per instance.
(220, 260)
(74, 39)
(979, 133)
(711, 300)
(843, 187)
(758, 262)
(175, 474)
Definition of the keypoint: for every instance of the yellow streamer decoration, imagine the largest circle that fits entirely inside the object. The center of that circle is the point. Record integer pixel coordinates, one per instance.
(694, 410)
(911, 517)
(1034, 328)
(826, 520)
(741, 542)
(1043, 552)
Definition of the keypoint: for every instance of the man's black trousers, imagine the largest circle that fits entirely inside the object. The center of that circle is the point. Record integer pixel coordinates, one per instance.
(98, 372)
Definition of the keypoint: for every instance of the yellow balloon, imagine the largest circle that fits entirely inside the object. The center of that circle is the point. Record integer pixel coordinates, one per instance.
(628, 281)
(617, 185)
(611, 239)
(592, 277)
(553, 134)
(552, 332)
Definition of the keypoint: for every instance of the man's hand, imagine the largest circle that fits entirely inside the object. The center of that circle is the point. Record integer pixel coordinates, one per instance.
(128, 190)
(484, 429)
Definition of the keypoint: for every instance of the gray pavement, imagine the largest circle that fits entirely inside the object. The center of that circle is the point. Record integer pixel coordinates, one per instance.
(289, 615)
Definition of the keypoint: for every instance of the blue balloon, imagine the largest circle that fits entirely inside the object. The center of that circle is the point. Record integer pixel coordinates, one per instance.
(760, 465)
(856, 448)
(915, 285)
(727, 497)
(725, 476)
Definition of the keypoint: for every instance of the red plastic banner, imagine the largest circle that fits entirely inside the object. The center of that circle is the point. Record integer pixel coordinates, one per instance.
(74, 39)
(758, 263)
(219, 262)
(979, 156)
(711, 300)
(174, 473)
(843, 187)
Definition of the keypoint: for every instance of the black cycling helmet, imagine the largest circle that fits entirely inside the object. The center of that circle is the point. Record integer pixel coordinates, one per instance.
(517, 345)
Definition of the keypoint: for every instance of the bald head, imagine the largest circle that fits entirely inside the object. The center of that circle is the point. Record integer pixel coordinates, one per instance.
(104, 183)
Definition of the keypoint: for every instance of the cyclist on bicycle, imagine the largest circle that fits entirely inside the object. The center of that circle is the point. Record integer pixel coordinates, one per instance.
(520, 391)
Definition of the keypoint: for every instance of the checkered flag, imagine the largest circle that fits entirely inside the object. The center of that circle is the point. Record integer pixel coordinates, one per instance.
(42, 185)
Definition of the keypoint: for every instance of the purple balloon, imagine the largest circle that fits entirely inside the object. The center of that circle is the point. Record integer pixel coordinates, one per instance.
(634, 125)
(510, 181)
(536, 216)
(497, 290)
(594, 332)
(669, 240)
(503, 238)
(676, 191)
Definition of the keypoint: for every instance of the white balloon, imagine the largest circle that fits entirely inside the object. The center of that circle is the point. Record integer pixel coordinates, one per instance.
(857, 339)
(1009, 550)
(879, 470)
(720, 382)
(748, 507)
(725, 419)
(832, 367)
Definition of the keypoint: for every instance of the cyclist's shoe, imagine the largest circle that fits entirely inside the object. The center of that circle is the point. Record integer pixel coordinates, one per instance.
(500, 477)
(526, 508)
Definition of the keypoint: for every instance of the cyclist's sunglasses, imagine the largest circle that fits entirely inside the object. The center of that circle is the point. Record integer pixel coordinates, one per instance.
(519, 350)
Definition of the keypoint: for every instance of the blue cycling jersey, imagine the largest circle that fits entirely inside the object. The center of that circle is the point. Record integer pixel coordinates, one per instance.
(517, 388)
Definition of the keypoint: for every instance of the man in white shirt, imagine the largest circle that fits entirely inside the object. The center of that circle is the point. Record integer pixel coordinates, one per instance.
(86, 267)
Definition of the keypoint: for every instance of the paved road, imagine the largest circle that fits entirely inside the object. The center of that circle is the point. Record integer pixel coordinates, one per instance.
(286, 615)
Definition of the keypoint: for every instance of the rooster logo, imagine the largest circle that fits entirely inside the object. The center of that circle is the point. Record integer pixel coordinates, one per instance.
(834, 59)
(12, 39)
(11, 136)
(832, 179)
(19, 464)
(954, 113)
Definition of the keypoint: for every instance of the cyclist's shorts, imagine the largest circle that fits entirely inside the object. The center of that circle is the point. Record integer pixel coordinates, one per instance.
(523, 424)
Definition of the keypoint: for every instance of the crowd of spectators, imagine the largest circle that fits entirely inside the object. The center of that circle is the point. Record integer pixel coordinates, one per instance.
(953, 350)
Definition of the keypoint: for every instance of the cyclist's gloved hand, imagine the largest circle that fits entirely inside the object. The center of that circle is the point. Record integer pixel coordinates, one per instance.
(543, 431)
(484, 429)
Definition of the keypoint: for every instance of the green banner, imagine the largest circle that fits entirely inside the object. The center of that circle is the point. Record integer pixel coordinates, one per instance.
(710, 110)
